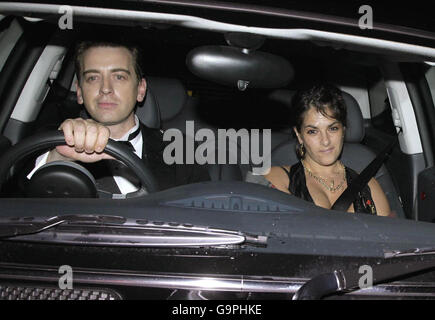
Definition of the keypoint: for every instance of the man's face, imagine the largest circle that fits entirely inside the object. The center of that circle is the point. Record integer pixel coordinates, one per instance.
(109, 87)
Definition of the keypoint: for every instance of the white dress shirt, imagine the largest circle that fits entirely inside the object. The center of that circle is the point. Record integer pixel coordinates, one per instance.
(124, 185)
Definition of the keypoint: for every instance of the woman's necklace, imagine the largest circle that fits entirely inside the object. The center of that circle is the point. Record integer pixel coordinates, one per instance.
(323, 181)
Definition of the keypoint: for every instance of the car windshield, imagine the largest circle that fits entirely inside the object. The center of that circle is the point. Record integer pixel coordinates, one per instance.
(221, 96)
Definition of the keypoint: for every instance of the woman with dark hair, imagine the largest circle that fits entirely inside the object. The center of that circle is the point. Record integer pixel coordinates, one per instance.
(319, 176)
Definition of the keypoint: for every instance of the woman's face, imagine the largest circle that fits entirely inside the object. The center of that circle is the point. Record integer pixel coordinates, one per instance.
(322, 137)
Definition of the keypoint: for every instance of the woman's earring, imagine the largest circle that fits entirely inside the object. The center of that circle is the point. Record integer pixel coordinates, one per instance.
(302, 150)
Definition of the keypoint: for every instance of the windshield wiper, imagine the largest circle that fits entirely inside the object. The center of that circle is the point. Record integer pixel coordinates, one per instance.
(410, 252)
(119, 231)
(397, 264)
(31, 225)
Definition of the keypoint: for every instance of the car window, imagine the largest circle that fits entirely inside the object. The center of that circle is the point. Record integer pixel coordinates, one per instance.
(8, 37)
(349, 77)
(430, 77)
(223, 238)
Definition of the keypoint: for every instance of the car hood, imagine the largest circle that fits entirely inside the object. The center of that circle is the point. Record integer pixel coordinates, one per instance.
(291, 225)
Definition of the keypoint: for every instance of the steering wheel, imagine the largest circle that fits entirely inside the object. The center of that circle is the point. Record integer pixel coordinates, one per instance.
(52, 139)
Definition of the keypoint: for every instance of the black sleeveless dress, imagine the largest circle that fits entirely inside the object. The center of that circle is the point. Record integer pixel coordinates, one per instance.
(298, 187)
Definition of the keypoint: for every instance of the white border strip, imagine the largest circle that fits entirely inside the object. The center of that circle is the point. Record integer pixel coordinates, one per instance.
(130, 16)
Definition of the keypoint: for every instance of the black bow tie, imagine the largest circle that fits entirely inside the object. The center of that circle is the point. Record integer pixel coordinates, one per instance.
(131, 136)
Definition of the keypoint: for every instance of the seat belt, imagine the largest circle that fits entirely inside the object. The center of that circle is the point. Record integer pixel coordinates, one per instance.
(348, 196)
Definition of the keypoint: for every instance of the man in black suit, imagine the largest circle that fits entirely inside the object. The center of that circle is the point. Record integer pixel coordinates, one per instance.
(110, 84)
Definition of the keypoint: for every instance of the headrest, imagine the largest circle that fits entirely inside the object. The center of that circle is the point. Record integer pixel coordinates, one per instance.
(354, 121)
(149, 113)
(171, 95)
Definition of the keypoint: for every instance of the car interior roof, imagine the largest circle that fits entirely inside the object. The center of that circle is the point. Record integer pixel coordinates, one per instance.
(171, 45)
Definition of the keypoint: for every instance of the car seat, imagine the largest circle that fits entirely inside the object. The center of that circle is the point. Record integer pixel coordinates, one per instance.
(170, 97)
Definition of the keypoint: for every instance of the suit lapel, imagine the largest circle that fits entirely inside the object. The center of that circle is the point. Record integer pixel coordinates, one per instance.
(152, 156)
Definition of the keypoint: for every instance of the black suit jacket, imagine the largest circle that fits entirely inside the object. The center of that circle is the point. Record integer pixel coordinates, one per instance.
(168, 176)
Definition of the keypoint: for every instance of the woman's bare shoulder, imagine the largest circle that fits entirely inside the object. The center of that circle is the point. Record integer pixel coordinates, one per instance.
(278, 177)
(277, 171)
(380, 199)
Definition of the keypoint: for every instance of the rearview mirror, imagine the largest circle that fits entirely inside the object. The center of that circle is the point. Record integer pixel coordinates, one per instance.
(239, 67)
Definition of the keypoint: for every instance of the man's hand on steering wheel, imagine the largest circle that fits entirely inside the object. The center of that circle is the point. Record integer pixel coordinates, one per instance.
(85, 139)
(50, 139)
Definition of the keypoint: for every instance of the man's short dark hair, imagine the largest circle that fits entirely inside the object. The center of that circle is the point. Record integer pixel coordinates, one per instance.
(324, 97)
(83, 46)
